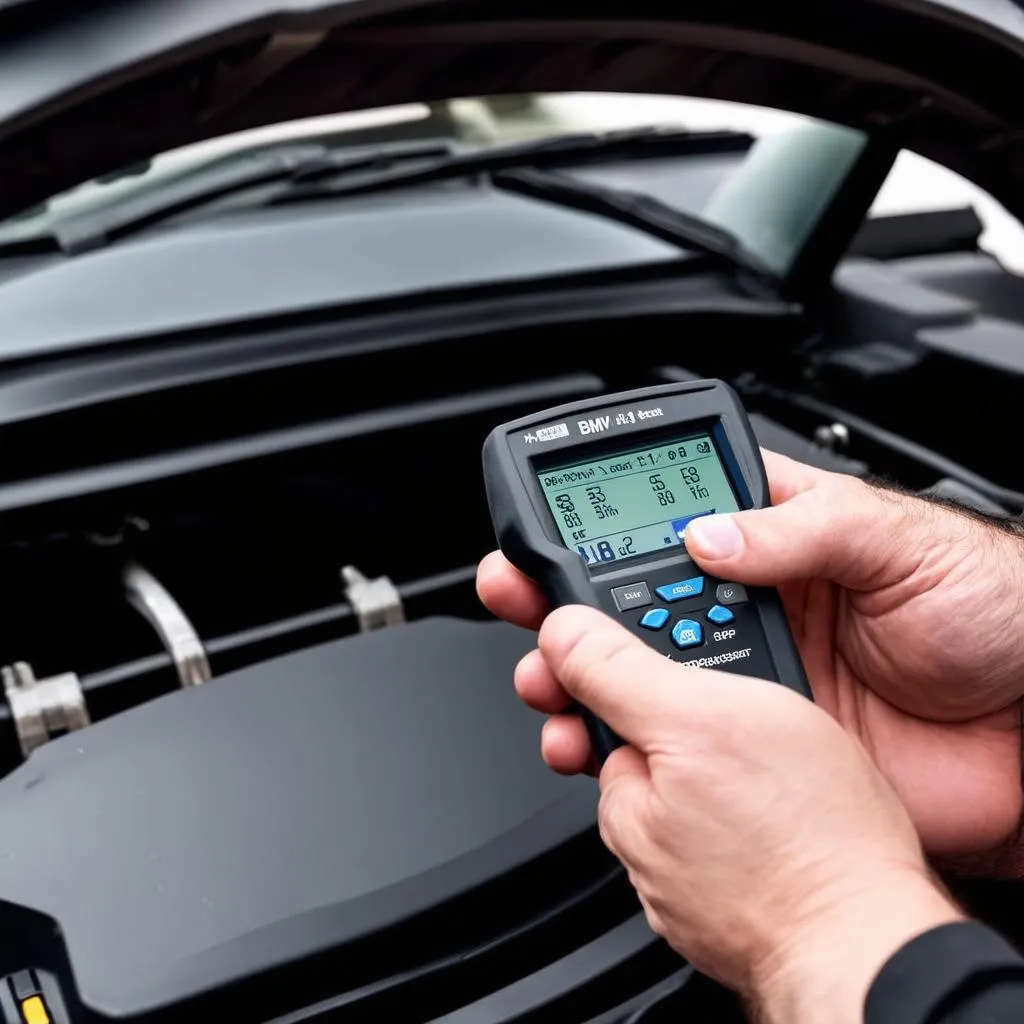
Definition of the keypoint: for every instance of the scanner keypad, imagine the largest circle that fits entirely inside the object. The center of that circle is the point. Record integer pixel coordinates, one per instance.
(690, 612)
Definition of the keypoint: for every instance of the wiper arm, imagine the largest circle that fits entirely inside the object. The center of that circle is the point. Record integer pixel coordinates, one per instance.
(636, 209)
(78, 233)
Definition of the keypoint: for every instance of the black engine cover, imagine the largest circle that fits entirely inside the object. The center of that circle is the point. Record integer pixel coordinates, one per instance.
(292, 807)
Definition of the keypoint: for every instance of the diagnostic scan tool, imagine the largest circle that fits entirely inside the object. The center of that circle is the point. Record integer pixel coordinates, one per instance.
(592, 501)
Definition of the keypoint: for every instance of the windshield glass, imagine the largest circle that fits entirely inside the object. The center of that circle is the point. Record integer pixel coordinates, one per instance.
(478, 123)
(463, 125)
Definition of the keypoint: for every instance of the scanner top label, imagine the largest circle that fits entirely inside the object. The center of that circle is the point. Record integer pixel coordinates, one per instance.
(594, 424)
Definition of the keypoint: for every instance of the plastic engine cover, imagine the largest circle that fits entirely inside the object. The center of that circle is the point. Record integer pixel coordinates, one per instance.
(281, 810)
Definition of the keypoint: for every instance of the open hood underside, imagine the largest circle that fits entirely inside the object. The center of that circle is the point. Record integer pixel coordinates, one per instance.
(83, 93)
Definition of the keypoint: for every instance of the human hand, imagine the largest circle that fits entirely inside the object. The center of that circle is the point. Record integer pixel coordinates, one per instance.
(764, 845)
(908, 616)
(873, 581)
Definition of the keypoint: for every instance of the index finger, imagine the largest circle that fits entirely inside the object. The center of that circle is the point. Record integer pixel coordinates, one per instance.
(507, 593)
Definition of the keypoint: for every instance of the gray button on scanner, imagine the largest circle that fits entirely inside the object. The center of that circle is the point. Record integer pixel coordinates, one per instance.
(730, 593)
(632, 595)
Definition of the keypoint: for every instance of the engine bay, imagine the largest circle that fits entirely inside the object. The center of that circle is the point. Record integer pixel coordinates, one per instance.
(260, 750)
(245, 547)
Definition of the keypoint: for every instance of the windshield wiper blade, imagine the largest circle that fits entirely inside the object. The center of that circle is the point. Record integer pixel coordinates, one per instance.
(558, 151)
(79, 233)
(635, 209)
(314, 171)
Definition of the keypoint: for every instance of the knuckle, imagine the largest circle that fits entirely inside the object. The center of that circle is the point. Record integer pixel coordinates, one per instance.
(625, 658)
(620, 826)
(598, 653)
(609, 825)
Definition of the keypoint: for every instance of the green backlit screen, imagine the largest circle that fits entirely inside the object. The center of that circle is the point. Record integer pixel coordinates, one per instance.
(638, 501)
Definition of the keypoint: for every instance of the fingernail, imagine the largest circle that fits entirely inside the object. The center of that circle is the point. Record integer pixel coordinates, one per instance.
(714, 537)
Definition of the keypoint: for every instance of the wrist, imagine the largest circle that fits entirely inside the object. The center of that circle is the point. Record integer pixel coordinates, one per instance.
(833, 956)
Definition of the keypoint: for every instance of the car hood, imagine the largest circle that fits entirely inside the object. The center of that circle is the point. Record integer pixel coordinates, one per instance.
(87, 89)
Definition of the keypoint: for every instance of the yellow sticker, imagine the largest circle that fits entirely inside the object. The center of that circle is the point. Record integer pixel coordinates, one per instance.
(33, 1010)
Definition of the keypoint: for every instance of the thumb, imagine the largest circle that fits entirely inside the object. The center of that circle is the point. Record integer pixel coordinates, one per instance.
(842, 530)
(622, 680)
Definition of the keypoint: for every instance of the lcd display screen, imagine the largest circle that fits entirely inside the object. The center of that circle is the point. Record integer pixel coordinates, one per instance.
(638, 501)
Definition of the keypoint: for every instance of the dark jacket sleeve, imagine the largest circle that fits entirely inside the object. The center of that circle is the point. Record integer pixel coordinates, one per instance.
(960, 973)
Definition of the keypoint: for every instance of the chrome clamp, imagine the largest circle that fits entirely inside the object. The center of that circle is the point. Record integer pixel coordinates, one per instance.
(832, 436)
(43, 709)
(151, 599)
(377, 602)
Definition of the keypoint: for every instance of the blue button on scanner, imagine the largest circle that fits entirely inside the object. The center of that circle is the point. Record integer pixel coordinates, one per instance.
(654, 619)
(686, 633)
(719, 615)
(692, 587)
